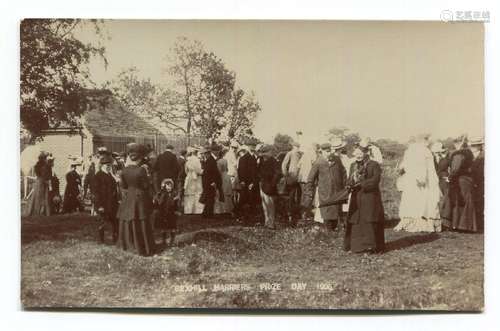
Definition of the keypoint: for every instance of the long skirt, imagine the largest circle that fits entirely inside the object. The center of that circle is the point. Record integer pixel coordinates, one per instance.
(71, 202)
(464, 215)
(226, 206)
(39, 201)
(364, 236)
(136, 235)
(192, 194)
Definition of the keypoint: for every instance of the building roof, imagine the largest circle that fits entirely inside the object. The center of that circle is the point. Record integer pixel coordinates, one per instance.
(112, 120)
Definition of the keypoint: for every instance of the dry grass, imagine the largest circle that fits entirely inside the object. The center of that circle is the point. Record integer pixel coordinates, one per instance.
(64, 266)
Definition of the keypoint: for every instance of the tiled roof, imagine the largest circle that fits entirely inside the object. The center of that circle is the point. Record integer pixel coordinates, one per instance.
(112, 120)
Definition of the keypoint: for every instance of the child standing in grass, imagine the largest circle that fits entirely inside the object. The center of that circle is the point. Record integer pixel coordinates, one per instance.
(166, 211)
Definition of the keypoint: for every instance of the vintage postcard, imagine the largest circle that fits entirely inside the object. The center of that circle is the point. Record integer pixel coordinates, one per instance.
(252, 164)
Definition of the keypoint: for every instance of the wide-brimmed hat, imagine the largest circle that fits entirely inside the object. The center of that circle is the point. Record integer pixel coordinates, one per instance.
(364, 143)
(243, 148)
(75, 161)
(476, 141)
(438, 147)
(337, 142)
(136, 151)
(43, 155)
(102, 150)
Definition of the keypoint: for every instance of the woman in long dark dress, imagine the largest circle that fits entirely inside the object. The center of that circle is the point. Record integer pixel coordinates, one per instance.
(365, 224)
(461, 191)
(135, 229)
(71, 202)
(39, 202)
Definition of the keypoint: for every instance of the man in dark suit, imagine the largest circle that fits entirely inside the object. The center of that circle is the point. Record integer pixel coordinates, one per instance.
(211, 181)
(106, 197)
(165, 166)
(329, 176)
(249, 184)
(268, 173)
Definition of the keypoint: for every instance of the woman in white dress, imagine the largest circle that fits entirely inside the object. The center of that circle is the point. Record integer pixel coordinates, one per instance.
(419, 208)
(192, 185)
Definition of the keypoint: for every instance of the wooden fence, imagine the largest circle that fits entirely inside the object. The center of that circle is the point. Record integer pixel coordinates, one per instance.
(158, 142)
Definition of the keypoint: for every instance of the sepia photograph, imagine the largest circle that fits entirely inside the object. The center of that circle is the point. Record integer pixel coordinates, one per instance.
(269, 165)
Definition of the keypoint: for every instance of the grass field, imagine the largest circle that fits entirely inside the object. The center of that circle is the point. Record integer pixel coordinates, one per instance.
(64, 266)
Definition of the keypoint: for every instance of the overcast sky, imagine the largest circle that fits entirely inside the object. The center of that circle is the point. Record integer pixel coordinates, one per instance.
(381, 79)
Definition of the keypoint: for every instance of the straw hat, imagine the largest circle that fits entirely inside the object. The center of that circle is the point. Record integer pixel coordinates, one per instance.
(337, 143)
(475, 141)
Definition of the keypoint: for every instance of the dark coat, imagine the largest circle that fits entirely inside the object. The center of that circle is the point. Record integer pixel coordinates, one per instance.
(330, 178)
(136, 202)
(248, 174)
(211, 175)
(165, 166)
(442, 170)
(71, 202)
(166, 208)
(247, 170)
(269, 173)
(105, 193)
(366, 201)
(181, 161)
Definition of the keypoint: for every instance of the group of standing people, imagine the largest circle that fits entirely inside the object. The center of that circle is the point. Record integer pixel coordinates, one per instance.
(138, 192)
(442, 188)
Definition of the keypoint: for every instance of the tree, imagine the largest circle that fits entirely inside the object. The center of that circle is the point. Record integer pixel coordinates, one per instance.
(214, 96)
(205, 93)
(54, 78)
(242, 113)
(146, 98)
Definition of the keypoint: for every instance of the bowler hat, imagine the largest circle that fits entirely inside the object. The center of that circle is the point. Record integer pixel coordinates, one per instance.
(266, 149)
(205, 150)
(105, 159)
(326, 146)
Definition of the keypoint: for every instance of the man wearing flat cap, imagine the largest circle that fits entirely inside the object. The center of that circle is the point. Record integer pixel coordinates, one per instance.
(329, 176)
(166, 166)
(106, 197)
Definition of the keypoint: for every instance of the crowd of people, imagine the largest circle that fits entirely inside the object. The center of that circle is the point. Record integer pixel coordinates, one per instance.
(138, 193)
(442, 188)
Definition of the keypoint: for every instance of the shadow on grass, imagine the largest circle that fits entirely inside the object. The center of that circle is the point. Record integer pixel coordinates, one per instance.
(409, 241)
